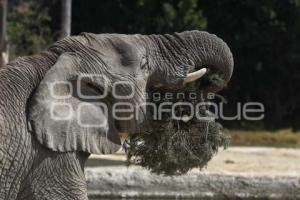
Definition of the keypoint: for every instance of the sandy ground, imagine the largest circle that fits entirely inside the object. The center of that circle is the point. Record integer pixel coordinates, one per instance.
(250, 160)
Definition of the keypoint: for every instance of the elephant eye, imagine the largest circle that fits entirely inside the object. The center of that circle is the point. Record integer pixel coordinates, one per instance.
(145, 66)
(143, 63)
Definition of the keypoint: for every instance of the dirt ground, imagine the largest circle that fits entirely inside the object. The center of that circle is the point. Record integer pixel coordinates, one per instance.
(249, 160)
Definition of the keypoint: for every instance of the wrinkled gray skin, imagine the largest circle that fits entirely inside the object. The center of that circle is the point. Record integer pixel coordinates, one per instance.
(44, 159)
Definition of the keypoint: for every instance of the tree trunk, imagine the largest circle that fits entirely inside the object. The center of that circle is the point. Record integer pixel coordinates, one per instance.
(66, 17)
(3, 36)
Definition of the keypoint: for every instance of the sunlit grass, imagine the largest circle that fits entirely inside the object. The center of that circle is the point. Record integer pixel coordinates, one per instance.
(281, 138)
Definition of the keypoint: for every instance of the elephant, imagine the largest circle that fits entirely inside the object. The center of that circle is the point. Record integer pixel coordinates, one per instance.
(44, 142)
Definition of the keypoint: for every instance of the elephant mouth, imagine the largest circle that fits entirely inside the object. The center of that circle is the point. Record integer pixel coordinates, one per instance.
(206, 79)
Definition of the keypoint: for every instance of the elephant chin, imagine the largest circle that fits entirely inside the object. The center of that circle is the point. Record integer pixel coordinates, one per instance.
(135, 124)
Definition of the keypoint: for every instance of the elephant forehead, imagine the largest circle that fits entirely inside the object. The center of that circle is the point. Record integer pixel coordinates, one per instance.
(126, 52)
(122, 50)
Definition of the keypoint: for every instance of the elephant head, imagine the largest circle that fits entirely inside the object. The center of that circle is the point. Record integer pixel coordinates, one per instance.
(71, 109)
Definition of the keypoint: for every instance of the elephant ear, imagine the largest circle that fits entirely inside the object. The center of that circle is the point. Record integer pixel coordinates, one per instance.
(65, 114)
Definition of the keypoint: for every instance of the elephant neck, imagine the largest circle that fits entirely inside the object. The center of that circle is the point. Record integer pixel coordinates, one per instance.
(17, 82)
(56, 176)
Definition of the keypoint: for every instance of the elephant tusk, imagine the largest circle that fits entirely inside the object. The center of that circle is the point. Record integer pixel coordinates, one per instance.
(195, 75)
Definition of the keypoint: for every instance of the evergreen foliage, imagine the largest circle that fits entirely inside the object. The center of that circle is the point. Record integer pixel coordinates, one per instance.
(28, 27)
(173, 146)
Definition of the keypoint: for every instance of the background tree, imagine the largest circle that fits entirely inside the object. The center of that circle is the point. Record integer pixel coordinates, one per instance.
(28, 27)
(264, 37)
(3, 36)
(66, 18)
(137, 16)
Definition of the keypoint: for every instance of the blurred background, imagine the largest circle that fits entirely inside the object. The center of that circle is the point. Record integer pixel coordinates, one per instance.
(264, 37)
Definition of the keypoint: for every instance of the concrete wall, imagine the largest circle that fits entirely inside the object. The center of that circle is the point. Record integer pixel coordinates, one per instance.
(120, 181)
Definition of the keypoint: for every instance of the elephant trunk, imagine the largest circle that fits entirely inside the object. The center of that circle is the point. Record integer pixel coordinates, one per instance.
(186, 52)
(211, 52)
